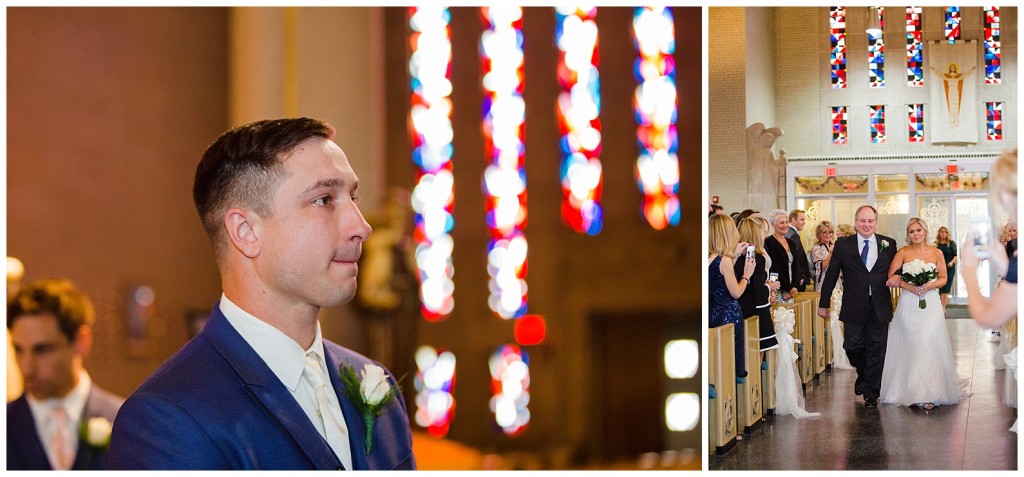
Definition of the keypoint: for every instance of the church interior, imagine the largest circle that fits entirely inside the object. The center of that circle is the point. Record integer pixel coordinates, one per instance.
(905, 109)
(109, 110)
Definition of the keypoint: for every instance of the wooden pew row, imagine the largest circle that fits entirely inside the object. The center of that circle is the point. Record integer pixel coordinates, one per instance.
(818, 336)
(749, 392)
(721, 389)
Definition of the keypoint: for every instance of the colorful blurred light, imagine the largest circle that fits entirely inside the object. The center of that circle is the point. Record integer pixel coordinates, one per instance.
(530, 330)
(501, 47)
(654, 103)
(433, 198)
(435, 378)
(510, 388)
(579, 105)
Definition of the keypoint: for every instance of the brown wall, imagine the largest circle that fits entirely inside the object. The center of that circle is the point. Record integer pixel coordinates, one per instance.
(108, 111)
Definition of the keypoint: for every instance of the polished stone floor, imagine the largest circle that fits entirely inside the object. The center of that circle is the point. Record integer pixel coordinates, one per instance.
(972, 435)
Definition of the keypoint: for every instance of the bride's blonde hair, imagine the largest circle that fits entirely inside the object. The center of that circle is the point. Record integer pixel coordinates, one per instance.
(917, 220)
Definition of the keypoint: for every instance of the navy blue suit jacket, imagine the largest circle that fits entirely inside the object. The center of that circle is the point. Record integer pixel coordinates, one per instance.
(215, 404)
(25, 450)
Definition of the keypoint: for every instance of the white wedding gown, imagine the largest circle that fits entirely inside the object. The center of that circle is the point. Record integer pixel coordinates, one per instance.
(919, 366)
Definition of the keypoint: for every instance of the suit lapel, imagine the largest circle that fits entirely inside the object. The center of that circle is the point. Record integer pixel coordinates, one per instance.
(273, 398)
(353, 419)
(33, 455)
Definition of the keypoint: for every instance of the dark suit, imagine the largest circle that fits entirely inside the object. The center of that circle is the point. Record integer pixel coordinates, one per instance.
(801, 269)
(865, 316)
(215, 404)
(24, 449)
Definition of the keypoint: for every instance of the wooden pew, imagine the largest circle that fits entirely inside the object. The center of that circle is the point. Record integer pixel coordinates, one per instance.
(749, 393)
(721, 389)
(818, 336)
(802, 332)
(768, 382)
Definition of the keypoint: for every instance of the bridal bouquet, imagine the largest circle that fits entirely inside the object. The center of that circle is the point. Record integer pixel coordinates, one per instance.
(918, 272)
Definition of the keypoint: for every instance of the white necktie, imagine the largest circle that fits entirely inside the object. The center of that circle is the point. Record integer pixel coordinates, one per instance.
(62, 451)
(332, 423)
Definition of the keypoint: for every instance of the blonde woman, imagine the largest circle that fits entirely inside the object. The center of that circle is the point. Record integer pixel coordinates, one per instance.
(723, 285)
(948, 248)
(754, 300)
(843, 230)
(821, 252)
(1001, 307)
(919, 368)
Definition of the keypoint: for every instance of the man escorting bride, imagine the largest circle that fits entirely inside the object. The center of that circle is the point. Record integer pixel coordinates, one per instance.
(919, 368)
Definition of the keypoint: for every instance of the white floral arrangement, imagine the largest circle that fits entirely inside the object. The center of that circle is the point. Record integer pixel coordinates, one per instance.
(919, 272)
(369, 393)
(96, 432)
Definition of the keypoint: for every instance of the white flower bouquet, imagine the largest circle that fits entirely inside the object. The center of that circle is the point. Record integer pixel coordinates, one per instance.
(919, 272)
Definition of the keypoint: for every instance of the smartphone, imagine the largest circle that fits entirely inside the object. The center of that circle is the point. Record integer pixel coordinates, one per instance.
(773, 277)
(750, 252)
(981, 231)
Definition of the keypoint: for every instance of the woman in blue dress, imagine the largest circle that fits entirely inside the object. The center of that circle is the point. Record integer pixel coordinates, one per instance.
(723, 286)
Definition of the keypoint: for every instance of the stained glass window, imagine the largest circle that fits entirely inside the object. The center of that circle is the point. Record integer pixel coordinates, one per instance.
(579, 105)
(915, 122)
(993, 53)
(915, 48)
(837, 26)
(505, 176)
(433, 198)
(654, 105)
(839, 125)
(952, 24)
(994, 121)
(877, 121)
(876, 54)
(435, 378)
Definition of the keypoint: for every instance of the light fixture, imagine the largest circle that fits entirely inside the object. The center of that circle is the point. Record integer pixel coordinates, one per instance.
(874, 25)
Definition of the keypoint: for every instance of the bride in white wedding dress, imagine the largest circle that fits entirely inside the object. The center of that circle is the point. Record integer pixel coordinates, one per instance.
(919, 367)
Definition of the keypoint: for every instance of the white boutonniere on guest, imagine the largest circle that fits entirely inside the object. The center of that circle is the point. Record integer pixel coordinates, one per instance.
(95, 432)
(882, 244)
(918, 272)
(369, 394)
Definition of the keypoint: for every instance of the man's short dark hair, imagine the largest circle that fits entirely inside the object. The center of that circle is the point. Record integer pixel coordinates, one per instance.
(243, 167)
(794, 213)
(57, 297)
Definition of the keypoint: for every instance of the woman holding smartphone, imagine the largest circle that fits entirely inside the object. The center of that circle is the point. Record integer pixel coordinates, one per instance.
(754, 300)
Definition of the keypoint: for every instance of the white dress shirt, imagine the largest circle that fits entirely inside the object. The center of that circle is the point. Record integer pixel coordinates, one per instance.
(287, 360)
(73, 404)
(872, 248)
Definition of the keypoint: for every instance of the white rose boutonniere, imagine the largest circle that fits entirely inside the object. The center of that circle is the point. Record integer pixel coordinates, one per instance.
(882, 244)
(96, 432)
(369, 394)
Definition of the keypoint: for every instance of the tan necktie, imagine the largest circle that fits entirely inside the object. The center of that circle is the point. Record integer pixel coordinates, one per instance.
(62, 450)
(332, 424)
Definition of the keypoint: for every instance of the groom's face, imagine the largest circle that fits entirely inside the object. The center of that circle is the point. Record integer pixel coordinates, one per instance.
(866, 222)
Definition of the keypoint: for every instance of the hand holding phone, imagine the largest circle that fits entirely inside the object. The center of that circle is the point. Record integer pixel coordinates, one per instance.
(981, 232)
(750, 252)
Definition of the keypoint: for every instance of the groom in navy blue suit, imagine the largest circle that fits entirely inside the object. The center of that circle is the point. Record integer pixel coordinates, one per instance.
(259, 387)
